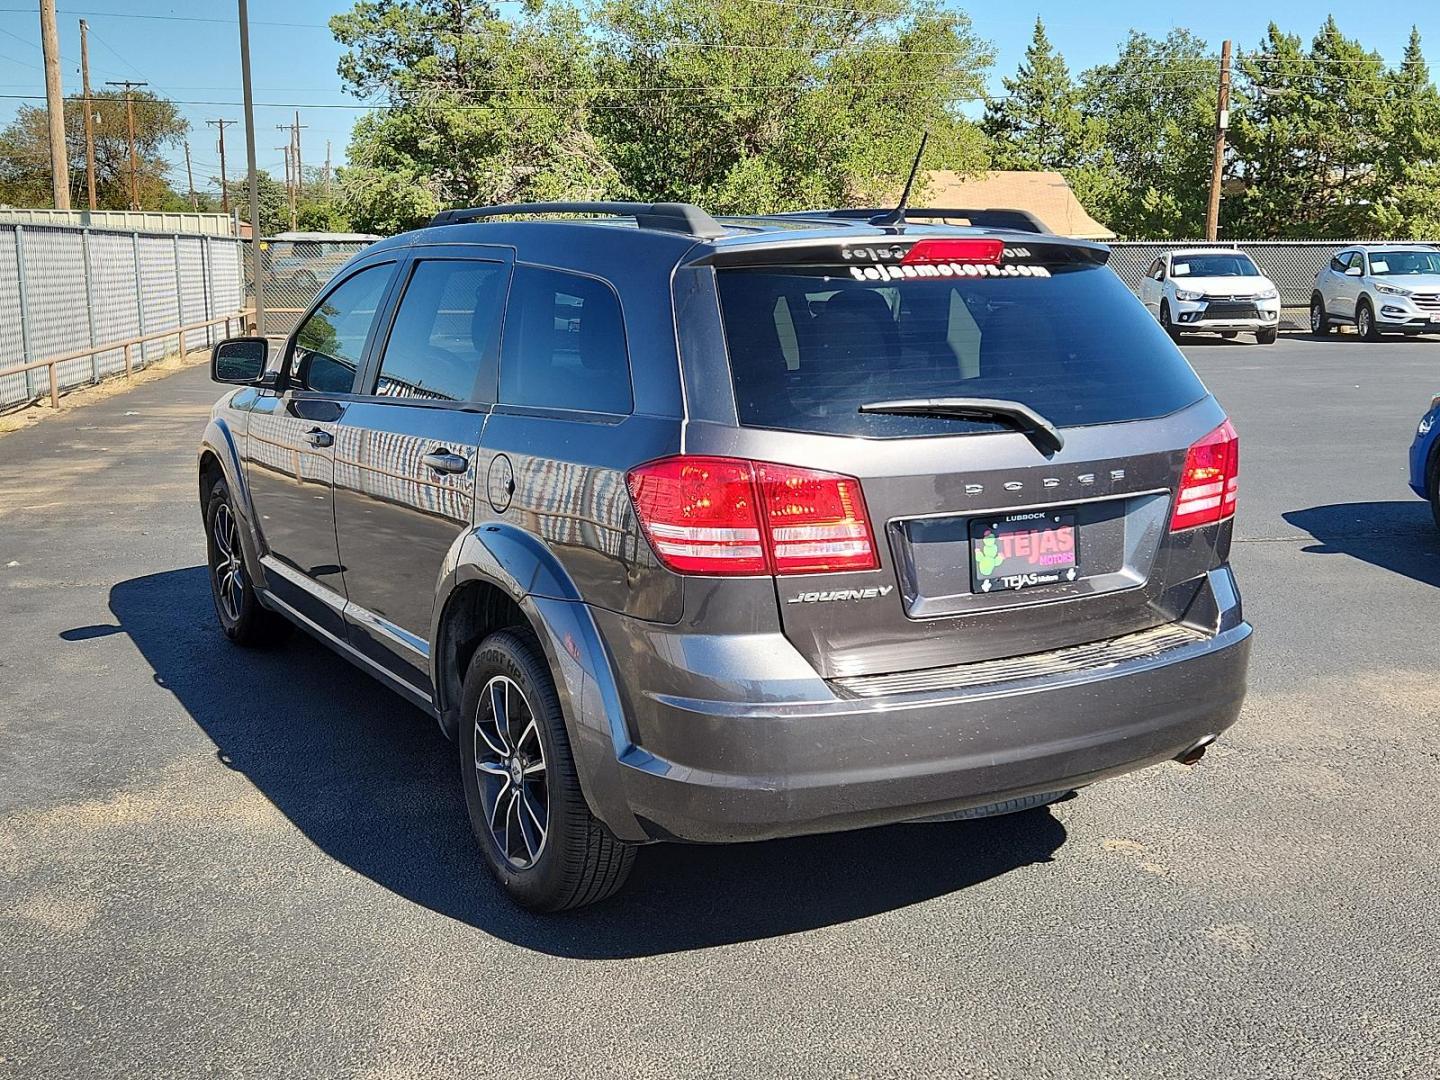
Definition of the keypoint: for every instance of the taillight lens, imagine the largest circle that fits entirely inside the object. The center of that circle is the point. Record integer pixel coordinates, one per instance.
(981, 251)
(700, 514)
(713, 515)
(1210, 481)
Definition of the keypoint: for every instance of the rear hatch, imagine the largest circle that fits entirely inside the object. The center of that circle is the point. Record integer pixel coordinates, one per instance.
(1044, 524)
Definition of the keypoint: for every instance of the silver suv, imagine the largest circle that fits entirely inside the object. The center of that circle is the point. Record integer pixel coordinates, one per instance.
(1380, 288)
(700, 530)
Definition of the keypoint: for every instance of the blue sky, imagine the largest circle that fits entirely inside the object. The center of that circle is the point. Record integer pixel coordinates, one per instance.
(190, 59)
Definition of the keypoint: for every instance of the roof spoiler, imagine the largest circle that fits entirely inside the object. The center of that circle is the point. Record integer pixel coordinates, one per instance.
(667, 217)
(989, 218)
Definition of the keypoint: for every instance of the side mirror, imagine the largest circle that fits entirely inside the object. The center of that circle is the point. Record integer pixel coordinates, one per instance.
(239, 360)
(1354, 271)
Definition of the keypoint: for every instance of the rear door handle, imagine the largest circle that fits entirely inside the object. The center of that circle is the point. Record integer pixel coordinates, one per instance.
(443, 461)
(317, 437)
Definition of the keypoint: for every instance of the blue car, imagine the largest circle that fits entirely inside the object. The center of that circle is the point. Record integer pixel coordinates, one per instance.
(1425, 458)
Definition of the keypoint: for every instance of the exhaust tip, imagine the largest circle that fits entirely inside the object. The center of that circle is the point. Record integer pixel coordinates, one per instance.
(1196, 751)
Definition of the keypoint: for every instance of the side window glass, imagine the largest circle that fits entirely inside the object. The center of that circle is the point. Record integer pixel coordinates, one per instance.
(329, 344)
(444, 330)
(564, 344)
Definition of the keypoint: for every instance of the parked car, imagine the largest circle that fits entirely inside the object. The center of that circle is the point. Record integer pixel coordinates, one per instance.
(1380, 288)
(1212, 291)
(303, 261)
(713, 531)
(1425, 458)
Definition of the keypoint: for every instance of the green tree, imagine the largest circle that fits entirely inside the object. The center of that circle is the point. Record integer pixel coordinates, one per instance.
(1308, 134)
(25, 152)
(745, 106)
(274, 202)
(751, 106)
(1155, 105)
(478, 109)
(1037, 123)
(1407, 177)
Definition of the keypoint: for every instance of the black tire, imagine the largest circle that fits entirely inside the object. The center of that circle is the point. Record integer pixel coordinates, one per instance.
(243, 619)
(1365, 324)
(1266, 335)
(1165, 322)
(521, 790)
(1432, 484)
(1229, 335)
(1320, 323)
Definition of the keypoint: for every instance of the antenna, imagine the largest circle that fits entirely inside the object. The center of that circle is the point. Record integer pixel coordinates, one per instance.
(897, 216)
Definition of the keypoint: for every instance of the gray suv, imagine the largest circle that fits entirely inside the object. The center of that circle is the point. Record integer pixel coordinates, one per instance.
(686, 529)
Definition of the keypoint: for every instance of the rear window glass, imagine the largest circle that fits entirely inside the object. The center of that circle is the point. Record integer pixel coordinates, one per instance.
(809, 345)
(564, 344)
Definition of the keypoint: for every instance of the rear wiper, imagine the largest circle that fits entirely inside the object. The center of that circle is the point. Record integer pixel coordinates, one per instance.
(1040, 431)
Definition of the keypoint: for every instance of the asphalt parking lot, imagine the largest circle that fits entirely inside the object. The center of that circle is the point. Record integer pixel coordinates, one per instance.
(218, 861)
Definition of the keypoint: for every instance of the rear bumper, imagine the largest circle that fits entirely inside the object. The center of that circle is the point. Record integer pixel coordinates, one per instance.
(737, 770)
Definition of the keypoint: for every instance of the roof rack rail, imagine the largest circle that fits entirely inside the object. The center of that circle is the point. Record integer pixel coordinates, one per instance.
(668, 217)
(990, 218)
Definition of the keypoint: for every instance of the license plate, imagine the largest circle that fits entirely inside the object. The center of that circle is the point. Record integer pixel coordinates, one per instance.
(1020, 551)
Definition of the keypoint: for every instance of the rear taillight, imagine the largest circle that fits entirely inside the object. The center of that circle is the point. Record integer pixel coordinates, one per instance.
(1210, 481)
(713, 515)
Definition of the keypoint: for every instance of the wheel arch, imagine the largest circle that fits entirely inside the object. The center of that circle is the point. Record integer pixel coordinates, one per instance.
(218, 458)
(498, 576)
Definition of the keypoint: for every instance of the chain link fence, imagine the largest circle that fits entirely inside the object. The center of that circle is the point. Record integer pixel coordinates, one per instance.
(63, 289)
(294, 272)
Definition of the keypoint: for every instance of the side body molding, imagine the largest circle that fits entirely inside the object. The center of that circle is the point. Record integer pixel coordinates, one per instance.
(519, 565)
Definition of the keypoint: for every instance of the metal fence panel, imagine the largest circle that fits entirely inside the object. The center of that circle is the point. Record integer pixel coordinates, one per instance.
(12, 343)
(55, 303)
(194, 289)
(66, 288)
(156, 258)
(112, 295)
(225, 287)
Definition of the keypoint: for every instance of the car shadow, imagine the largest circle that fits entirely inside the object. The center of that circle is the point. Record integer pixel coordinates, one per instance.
(1397, 535)
(1213, 339)
(373, 783)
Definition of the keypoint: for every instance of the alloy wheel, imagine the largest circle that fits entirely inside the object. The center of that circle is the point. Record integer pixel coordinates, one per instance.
(1362, 322)
(1317, 318)
(510, 770)
(229, 571)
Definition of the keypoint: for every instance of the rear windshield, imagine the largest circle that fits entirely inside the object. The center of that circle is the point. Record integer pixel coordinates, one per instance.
(809, 345)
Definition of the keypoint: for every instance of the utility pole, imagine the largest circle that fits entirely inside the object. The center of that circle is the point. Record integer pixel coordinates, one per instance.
(190, 179)
(299, 170)
(327, 170)
(256, 262)
(89, 112)
(130, 135)
(54, 106)
(289, 182)
(1222, 123)
(224, 181)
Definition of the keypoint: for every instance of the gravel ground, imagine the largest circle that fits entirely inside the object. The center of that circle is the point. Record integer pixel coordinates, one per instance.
(232, 863)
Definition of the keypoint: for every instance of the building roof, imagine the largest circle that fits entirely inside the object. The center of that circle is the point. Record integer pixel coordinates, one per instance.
(1044, 194)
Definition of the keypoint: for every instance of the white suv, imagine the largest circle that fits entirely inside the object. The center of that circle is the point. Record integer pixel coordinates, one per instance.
(1211, 291)
(1381, 288)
